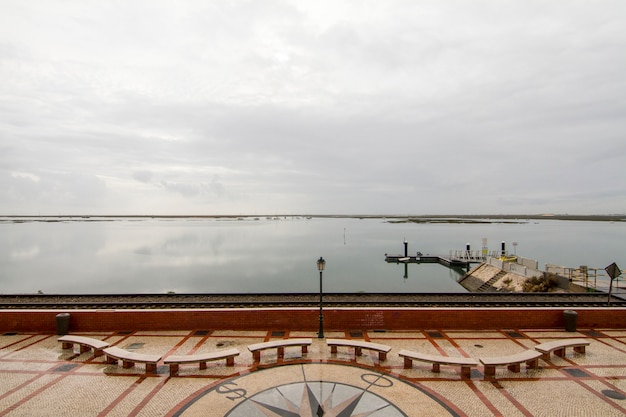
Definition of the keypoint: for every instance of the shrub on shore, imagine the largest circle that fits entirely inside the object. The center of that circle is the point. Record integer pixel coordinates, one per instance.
(546, 283)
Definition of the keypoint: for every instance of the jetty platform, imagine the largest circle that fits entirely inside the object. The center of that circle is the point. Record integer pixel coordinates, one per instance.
(456, 259)
(429, 259)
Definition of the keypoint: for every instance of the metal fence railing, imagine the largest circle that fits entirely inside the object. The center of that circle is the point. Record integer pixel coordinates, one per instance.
(592, 278)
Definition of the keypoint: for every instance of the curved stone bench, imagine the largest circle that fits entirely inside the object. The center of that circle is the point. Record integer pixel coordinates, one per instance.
(512, 362)
(174, 361)
(86, 344)
(558, 347)
(129, 359)
(465, 363)
(358, 346)
(280, 345)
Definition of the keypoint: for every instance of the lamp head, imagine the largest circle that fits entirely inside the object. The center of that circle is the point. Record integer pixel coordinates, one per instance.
(321, 263)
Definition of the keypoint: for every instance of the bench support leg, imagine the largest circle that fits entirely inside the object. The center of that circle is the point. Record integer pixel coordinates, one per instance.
(111, 360)
(382, 356)
(230, 361)
(151, 368)
(466, 371)
(281, 352)
(97, 352)
(256, 355)
(408, 363)
(173, 369)
(333, 349)
(357, 351)
(490, 371)
(67, 345)
(304, 349)
(128, 364)
(545, 356)
(560, 352)
(579, 349)
(514, 367)
(202, 365)
(532, 364)
(436, 367)
(84, 348)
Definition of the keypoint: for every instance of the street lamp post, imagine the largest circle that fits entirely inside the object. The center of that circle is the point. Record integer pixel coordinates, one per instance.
(320, 266)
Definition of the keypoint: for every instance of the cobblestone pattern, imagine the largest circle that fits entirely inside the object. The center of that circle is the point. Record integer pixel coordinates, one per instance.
(39, 378)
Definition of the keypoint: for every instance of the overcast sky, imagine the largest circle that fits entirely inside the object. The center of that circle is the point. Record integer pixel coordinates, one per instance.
(275, 107)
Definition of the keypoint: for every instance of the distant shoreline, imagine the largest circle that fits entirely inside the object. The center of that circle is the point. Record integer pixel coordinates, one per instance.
(453, 218)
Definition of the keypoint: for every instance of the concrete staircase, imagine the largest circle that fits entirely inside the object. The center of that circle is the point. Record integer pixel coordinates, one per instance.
(489, 284)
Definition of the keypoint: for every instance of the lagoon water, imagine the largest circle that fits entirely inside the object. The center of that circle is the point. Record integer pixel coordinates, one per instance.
(211, 255)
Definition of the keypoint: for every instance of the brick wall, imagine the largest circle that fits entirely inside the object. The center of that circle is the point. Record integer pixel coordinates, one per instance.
(308, 319)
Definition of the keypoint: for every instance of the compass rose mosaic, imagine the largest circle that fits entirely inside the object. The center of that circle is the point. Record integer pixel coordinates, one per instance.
(315, 390)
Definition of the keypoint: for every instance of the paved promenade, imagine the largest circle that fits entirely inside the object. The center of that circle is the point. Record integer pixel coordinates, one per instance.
(39, 378)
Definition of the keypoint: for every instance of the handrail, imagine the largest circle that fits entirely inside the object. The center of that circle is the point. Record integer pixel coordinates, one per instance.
(591, 278)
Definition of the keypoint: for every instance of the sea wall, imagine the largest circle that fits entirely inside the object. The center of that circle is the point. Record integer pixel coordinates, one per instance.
(498, 279)
(306, 319)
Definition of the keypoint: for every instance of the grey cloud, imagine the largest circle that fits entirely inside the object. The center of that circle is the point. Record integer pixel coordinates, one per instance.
(44, 190)
(187, 190)
(213, 189)
(316, 106)
(142, 176)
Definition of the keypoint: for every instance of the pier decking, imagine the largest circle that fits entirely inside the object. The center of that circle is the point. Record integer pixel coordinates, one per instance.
(456, 259)
(449, 262)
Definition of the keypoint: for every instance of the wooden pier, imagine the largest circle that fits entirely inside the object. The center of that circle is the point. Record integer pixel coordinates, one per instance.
(427, 259)
(457, 259)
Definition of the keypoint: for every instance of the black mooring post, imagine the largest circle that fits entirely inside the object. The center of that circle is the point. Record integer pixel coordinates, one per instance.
(503, 249)
(406, 248)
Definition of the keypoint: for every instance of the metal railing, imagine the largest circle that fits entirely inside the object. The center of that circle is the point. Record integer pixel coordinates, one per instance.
(522, 266)
(472, 255)
(595, 279)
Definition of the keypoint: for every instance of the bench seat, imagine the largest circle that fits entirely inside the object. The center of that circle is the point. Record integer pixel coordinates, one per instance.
(558, 347)
(174, 361)
(129, 359)
(512, 362)
(437, 360)
(280, 345)
(358, 346)
(86, 344)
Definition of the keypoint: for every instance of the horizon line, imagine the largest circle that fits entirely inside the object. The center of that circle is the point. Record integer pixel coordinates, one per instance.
(612, 216)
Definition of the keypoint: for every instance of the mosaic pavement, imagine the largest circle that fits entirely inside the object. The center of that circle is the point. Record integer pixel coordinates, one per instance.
(39, 378)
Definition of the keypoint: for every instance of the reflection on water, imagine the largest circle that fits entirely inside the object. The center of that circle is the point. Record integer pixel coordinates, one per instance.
(268, 256)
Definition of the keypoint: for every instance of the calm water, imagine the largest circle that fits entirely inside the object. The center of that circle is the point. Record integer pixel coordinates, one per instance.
(265, 256)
